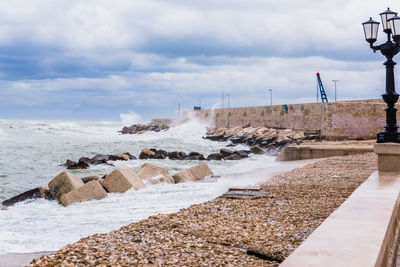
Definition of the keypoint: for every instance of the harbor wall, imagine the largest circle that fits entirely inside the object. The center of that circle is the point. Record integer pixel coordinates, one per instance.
(361, 119)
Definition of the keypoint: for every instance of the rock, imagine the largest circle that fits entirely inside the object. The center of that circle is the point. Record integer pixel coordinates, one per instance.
(226, 152)
(141, 128)
(154, 174)
(214, 137)
(89, 191)
(99, 159)
(90, 178)
(237, 140)
(234, 157)
(200, 171)
(3, 207)
(227, 137)
(215, 156)
(39, 192)
(129, 155)
(177, 155)
(85, 161)
(82, 164)
(63, 183)
(118, 157)
(183, 176)
(257, 150)
(146, 154)
(121, 180)
(243, 153)
(161, 154)
(195, 156)
(267, 141)
(70, 163)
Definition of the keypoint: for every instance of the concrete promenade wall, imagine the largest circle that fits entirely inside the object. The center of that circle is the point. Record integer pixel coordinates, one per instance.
(351, 119)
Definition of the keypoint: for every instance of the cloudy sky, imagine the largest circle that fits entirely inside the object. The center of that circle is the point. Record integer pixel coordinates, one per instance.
(95, 59)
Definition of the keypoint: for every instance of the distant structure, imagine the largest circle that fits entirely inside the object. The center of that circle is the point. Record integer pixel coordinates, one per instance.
(324, 98)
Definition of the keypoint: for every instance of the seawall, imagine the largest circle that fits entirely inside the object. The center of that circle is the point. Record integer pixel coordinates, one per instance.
(360, 119)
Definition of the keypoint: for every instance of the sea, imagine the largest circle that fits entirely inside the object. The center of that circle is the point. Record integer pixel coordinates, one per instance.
(32, 152)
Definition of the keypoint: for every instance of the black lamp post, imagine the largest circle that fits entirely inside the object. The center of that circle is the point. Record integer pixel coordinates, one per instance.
(391, 26)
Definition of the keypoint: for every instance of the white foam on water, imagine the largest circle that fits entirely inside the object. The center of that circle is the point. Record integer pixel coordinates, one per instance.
(43, 225)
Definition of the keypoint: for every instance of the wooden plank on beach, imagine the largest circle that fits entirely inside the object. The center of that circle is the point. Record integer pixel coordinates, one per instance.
(249, 194)
(249, 188)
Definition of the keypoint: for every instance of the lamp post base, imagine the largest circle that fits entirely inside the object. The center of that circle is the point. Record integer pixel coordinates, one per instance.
(388, 137)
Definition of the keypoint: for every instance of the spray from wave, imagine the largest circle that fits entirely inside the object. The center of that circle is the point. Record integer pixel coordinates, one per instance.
(131, 118)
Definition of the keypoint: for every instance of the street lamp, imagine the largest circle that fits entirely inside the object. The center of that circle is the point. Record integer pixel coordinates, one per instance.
(270, 97)
(335, 81)
(391, 26)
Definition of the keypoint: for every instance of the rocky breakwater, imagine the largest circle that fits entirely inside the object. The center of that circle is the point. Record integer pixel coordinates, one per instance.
(142, 128)
(84, 162)
(261, 138)
(67, 188)
(223, 154)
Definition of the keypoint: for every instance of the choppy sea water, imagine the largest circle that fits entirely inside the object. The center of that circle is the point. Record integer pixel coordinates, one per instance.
(31, 154)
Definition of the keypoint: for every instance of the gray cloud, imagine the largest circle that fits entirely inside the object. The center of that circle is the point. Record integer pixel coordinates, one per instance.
(100, 58)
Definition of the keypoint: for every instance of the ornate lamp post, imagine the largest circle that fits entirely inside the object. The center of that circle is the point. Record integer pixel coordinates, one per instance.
(391, 26)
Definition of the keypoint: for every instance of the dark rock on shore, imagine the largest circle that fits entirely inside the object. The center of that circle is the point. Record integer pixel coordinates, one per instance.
(147, 154)
(257, 150)
(234, 157)
(39, 192)
(226, 152)
(99, 159)
(81, 164)
(195, 156)
(140, 128)
(118, 157)
(160, 154)
(215, 156)
(85, 162)
(243, 153)
(177, 155)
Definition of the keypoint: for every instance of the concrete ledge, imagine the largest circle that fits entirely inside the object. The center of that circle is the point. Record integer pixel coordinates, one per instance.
(361, 232)
(388, 157)
(313, 151)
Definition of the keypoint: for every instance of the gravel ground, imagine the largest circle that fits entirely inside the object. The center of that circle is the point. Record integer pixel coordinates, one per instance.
(216, 233)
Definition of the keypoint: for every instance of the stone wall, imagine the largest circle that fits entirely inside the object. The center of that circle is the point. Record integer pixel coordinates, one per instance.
(350, 119)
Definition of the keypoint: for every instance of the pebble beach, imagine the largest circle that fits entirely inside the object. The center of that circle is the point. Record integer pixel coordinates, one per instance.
(223, 231)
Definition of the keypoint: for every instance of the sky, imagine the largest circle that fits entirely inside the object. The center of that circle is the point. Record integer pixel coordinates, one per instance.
(99, 60)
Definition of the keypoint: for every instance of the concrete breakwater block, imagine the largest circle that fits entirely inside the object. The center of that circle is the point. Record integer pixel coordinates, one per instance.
(121, 180)
(89, 191)
(200, 171)
(154, 174)
(63, 183)
(183, 176)
(195, 173)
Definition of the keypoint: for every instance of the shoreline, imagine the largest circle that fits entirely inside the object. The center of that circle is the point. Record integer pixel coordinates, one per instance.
(214, 232)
